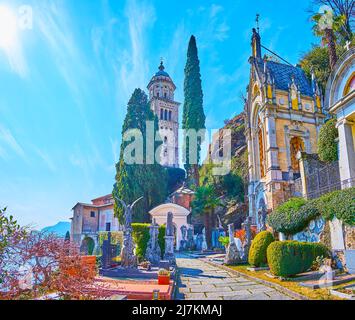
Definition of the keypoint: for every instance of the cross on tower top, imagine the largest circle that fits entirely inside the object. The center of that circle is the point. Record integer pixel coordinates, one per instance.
(257, 22)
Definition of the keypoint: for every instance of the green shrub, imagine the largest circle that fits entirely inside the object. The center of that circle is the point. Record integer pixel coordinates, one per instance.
(141, 237)
(327, 146)
(288, 258)
(257, 252)
(224, 241)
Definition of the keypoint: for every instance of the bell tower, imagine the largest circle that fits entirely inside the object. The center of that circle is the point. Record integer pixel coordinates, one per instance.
(161, 95)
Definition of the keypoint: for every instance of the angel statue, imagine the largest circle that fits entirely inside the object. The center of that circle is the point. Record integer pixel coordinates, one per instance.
(128, 258)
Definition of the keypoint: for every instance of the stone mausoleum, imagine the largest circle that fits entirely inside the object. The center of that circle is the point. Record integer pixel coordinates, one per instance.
(284, 113)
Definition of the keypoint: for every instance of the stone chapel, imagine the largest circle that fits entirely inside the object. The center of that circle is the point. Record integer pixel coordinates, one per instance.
(161, 90)
(284, 113)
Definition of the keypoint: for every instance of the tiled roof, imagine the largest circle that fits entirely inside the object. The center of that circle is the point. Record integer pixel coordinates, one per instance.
(283, 73)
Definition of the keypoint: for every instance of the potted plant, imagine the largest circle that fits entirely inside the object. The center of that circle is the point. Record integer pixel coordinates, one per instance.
(163, 277)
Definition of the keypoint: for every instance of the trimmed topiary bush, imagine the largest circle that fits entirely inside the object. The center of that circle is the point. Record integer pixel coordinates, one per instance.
(288, 258)
(286, 217)
(257, 252)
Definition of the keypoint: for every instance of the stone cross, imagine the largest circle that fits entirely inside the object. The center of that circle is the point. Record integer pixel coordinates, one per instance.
(128, 258)
(169, 240)
(153, 252)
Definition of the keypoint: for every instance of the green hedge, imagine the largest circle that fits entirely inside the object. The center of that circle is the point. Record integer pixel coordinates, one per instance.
(288, 258)
(257, 252)
(141, 238)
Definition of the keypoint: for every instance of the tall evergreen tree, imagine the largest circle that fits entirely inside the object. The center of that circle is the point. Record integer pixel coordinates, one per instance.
(139, 179)
(193, 113)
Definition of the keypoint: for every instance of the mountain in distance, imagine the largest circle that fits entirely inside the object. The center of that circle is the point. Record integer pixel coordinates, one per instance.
(60, 229)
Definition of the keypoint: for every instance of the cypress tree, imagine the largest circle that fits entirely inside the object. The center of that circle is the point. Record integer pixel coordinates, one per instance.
(193, 113)
(139, 179)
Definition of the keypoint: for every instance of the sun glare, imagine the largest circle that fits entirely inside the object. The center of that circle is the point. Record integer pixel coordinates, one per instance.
(8, 28)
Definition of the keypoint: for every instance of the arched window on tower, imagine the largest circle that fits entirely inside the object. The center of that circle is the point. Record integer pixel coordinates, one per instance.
(170, 113)
(165, 140)
(166, 115)
(261, 149)
(296, 145)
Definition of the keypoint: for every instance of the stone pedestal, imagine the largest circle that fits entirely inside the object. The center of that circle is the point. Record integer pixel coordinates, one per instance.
(169, 250)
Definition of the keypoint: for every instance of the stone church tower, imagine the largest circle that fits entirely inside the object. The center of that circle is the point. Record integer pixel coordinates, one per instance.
(161, 95)
(283, 116)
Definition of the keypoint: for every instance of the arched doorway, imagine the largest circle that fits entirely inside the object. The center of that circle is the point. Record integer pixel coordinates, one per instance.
(87, 246)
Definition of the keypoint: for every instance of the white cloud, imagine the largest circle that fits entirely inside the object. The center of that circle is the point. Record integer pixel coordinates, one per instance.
(133, 64)
(215, 9)
(9, 140)
(46, 159)
(11, 42)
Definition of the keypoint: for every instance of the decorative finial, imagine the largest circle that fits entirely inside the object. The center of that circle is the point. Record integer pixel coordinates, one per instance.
(257, 22)
(161, 67)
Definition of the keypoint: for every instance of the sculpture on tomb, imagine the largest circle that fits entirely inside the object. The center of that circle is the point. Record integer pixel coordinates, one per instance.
(262, 216)
(128, 258)
(169, 240)
(204, 242)
(183, 242)
(190, 239)
(248, 238)
(232, 255)
(153, 252)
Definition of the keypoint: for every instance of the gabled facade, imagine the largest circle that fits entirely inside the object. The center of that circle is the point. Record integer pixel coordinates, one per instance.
(284, 113)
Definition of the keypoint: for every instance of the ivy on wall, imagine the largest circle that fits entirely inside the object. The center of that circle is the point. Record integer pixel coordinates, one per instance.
(295, 215)
(327, 146)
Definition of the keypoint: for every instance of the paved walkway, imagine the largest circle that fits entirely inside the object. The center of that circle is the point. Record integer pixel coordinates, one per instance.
(202, 281)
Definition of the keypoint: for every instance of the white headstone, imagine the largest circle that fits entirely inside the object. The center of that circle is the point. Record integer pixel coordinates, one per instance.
(336, 234)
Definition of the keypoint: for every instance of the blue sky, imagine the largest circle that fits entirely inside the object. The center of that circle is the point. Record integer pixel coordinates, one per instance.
(65, 83)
